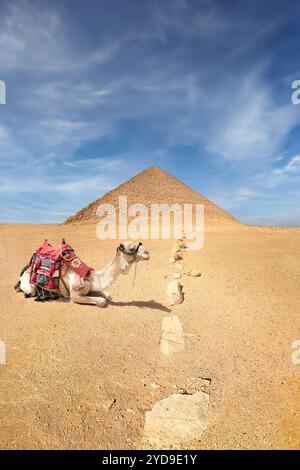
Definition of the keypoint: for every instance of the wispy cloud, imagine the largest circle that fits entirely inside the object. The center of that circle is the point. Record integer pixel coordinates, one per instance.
(251, 126)
(37, 38)
(293, 166)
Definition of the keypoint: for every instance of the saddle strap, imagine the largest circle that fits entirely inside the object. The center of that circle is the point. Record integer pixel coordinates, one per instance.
(65, 286)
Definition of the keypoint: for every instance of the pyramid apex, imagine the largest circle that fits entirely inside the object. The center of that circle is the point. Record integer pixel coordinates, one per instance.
(154, 168)
(153, 185)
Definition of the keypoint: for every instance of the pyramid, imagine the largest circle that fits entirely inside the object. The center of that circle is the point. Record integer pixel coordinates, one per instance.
(156, 186)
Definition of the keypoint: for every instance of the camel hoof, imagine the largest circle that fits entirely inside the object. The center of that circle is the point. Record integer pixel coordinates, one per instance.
(106, 295)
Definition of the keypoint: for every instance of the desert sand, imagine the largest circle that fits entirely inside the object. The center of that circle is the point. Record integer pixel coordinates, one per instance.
(79, 377)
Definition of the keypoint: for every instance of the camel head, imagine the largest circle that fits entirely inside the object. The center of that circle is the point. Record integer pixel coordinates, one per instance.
(131, 252)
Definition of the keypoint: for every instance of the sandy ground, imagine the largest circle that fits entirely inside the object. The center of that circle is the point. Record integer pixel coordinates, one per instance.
(67, 363)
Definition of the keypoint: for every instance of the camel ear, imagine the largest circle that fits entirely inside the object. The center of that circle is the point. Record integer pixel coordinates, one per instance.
(138, 245)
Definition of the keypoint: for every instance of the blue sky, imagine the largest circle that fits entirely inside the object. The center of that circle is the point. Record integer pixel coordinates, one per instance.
(99, 90)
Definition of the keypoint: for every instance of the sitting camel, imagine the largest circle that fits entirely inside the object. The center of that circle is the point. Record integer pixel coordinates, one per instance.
(77, 289)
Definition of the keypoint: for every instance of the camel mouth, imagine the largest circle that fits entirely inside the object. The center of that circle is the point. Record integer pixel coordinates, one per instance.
(145, 257)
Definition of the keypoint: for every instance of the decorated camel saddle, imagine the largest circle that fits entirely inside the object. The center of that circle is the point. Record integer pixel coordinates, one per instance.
(47, 263)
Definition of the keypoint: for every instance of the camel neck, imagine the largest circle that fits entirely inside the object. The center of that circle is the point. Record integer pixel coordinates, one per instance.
(108, 274)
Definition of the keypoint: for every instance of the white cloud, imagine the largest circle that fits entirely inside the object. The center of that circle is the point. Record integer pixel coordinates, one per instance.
(252, 127)
(287, 176)
(293, 166)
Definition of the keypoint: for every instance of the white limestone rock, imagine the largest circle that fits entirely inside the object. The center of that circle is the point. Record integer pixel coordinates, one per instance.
(172, 338)
(174, 293)
(176, 420)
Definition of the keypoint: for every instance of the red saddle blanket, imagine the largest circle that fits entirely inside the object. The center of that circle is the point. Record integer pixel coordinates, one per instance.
(47, 262)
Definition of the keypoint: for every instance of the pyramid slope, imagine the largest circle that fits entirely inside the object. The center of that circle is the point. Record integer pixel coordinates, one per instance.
(155, 185)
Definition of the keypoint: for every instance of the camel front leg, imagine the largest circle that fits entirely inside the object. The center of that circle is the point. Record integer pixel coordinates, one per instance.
(87, 300)
(103, 294)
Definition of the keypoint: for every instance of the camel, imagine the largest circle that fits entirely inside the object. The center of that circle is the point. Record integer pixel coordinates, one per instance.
(77, 289)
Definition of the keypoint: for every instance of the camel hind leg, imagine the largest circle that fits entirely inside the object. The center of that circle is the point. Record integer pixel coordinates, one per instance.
(25, 286)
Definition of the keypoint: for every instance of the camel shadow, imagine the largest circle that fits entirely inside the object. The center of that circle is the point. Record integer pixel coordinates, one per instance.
(152, 304)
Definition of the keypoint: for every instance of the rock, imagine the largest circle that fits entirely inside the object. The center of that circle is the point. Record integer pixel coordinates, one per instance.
(172, 338)
(179, 265)
(174, 293)
(196, 384)
(177, 255)
(177, 276)
(205, 385)
(176, 420)
(176, 252)
(181, 244)
(193, 273)
(155, 385)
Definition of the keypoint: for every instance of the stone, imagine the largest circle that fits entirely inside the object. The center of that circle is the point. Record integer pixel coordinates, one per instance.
(174, 293)
(177, 419)
(130, 411)
(181, 243)
(177, 276)
(182, 391)
(205, 385)
(193, 273)
(196, 384)
(179, 265)
(172, 338)
(177, 255)
(155, 385)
